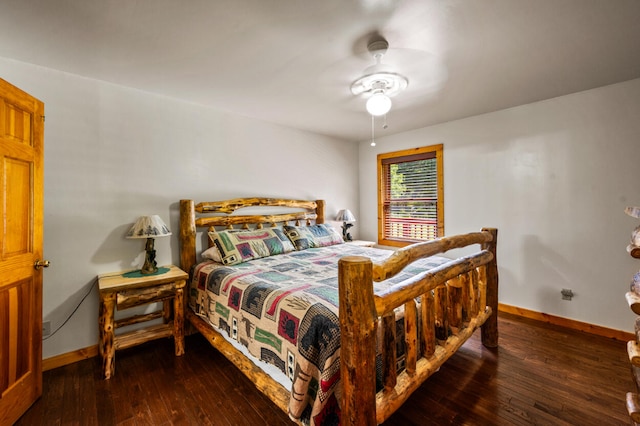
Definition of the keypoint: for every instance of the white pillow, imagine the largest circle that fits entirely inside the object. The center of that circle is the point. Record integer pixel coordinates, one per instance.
(212, 253)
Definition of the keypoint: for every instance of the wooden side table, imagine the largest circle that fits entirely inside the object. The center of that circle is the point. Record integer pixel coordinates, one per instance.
(124, 290)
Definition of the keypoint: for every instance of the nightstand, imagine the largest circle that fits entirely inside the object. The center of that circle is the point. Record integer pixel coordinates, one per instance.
(362, 243)
(124, 290)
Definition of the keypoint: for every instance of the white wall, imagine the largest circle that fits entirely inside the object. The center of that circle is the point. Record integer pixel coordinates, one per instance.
(554, 178)
(113, 154)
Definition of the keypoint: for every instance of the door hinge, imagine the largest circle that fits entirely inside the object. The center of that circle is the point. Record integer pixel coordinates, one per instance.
(42, 118)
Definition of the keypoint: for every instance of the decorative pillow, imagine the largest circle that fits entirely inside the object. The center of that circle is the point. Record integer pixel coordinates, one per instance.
(240, 246)
(212, 252)
(304, 237)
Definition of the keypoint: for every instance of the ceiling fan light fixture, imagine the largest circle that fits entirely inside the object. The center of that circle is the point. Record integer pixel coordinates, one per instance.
(378, 104)
(380, 82)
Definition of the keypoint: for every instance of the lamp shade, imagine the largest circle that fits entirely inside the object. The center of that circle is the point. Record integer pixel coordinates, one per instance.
(378, 104)
(345, 215)
(149, 227)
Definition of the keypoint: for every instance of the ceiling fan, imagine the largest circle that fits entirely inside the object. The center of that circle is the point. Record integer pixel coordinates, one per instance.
(380, 81)
(379, 71)
(406, 72)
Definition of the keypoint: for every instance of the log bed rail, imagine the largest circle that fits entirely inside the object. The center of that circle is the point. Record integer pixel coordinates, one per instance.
(442, 309)
(455, 299)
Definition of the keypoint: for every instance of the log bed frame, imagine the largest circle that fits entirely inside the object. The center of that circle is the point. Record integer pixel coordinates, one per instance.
(455, 299)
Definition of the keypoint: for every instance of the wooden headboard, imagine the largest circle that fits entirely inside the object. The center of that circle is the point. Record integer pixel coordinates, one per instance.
(193, 216)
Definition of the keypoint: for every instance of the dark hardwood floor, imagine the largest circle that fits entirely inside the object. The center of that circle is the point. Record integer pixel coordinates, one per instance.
(539, 375)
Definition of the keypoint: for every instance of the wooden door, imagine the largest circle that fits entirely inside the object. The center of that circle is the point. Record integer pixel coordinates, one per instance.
(21, 205)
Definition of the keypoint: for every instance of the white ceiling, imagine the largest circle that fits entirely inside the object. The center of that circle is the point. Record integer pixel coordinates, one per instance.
(292, 61)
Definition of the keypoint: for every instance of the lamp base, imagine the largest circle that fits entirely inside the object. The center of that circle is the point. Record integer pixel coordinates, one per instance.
(346, 236)
(148, 269)
(150, 266)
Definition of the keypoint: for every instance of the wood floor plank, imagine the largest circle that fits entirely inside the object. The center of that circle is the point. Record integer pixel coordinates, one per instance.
(539, 375)
(89, 408)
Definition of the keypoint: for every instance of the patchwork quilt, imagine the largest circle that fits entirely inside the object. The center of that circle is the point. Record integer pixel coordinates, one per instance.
(284, 310)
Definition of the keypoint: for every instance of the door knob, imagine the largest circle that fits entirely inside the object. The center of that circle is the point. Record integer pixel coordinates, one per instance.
(41, 264)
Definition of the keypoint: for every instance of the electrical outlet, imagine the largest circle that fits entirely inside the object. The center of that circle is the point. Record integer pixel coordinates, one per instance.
(46, 328)
(567, 293)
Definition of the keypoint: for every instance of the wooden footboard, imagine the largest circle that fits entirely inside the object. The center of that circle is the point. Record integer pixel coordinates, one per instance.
(442, 309)
(453, 301)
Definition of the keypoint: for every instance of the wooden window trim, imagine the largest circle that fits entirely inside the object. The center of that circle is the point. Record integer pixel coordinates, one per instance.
(391, 157)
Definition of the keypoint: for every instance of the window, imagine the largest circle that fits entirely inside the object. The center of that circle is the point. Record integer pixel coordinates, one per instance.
(410, 196)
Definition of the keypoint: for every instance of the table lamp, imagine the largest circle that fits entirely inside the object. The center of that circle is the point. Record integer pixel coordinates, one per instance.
(346, 216)
(149, 227)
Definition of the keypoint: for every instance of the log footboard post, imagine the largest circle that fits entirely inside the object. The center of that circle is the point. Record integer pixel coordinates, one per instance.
(358, 320)
(490, 327)
(187, 235)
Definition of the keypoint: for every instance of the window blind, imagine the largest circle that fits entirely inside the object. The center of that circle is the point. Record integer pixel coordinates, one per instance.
(410, 197)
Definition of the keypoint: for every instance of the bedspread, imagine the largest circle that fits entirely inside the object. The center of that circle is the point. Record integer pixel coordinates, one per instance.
(284, 310)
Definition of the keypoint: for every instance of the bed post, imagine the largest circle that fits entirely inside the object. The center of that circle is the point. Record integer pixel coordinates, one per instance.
(490, 327)
(358, 322)
(187, 235)
(320, 211)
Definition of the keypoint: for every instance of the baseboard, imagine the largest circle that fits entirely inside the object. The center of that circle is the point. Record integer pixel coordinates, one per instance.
(623, 336)
(91, 351)
(69, 358)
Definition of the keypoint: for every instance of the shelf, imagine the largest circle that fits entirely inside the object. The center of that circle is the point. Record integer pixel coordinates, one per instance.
(135, 337)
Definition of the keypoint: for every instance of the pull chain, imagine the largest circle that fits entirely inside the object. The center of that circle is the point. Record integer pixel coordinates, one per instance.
(373, 140)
